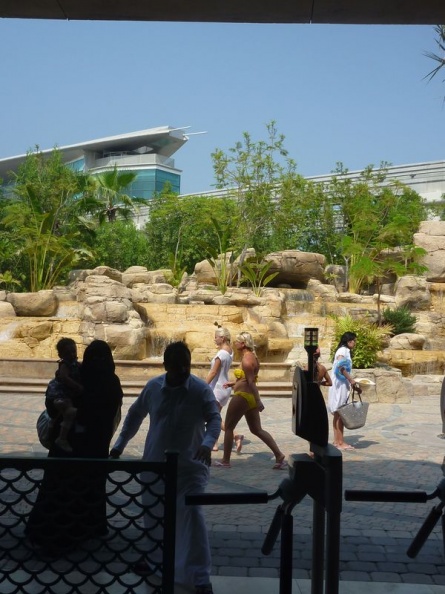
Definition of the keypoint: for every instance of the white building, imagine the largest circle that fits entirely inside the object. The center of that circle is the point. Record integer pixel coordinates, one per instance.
(148, 153)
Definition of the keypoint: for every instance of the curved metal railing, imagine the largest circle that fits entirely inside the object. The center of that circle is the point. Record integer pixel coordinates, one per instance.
(102, 561)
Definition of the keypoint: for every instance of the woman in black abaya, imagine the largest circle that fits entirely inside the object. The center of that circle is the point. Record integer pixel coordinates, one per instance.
(71, 503)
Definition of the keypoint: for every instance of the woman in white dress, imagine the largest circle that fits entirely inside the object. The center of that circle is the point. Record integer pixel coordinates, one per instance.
(342, 380)
(219, 375)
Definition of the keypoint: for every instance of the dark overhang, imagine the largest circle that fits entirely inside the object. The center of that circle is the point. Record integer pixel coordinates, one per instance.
(381, 12)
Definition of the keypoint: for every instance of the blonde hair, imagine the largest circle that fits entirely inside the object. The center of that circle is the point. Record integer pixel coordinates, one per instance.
(246, 337)
(224, 333)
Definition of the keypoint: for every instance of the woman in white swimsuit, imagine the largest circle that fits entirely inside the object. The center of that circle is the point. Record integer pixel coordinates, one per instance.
(218, 376)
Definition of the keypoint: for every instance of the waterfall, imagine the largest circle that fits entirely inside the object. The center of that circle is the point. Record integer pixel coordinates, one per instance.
(8, 332)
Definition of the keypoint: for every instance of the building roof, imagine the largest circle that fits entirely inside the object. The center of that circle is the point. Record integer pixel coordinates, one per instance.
(427, 179)
(404, 12)
(163, 140)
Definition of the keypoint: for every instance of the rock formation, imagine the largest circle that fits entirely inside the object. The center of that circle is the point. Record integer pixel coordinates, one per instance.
(138, 312)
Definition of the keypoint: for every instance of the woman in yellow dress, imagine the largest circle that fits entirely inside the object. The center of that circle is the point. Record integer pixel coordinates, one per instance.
(246, 402)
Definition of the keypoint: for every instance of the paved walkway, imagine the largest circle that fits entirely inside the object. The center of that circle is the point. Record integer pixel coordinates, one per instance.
(398, 449)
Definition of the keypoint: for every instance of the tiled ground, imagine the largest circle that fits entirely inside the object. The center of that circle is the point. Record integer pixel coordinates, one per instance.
(398, 449)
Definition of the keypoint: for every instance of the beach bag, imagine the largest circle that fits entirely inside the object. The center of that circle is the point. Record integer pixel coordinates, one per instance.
(54, 390)
(43, 427)
(353, 413)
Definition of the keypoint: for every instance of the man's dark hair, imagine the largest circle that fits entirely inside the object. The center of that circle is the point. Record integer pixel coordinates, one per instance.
(177, 351)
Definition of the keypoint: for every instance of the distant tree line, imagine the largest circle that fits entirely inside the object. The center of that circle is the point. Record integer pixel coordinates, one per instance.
(54, 219)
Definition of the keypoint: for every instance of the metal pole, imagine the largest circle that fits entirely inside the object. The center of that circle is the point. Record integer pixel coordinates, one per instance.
(333, 499)
(286, 553)
(171, 492)
(333, 553)
(318, 526)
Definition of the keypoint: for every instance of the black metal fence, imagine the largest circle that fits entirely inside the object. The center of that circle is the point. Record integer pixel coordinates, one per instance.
(101, 560)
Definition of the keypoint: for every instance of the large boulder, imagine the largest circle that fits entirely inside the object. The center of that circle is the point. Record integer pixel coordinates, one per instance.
(431, 324)
(407, 341)
(431, 237)
(322, 291)
(412, 362)
(140, 275)
(295, 268)
(412, 292)
(204, 273)
(390, 386)
(336, 276)
(135, 275)
(103, 287)
(6, 310)
(125, 342)
(40, 304)
(154, 293)
(108, 272)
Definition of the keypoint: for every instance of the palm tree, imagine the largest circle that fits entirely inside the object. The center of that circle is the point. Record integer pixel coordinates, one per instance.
(47, 242)
(108, 189)
(439, 58)
(41, 219)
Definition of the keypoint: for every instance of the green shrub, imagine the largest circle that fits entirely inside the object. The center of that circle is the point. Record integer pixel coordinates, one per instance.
(256, 275)
(371, 338)
(401, 319)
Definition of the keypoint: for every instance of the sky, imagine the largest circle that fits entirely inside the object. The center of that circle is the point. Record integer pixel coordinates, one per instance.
(350, 94)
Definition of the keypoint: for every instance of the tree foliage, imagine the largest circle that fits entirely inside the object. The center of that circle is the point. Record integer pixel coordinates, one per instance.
(41, 217)
(220, 255)
(306, 218)
(109, 201)
(120, 246)
(372, 217)
(183, 227)
(401, 320)
(252, 173)
(50, 219)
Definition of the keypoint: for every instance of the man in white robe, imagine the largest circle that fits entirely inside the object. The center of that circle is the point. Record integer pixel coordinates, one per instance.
(184, 417)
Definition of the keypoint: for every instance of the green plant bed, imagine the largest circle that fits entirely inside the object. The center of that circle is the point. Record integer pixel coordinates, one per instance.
(401, 320)
(371, 338)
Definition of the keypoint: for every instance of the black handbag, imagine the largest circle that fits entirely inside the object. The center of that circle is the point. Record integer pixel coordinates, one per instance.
(354, 412)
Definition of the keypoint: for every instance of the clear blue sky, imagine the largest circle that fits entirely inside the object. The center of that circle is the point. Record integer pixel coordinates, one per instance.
(353, 94)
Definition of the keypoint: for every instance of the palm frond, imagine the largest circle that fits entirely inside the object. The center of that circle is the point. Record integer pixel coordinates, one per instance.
(438, 59)
(440, 41)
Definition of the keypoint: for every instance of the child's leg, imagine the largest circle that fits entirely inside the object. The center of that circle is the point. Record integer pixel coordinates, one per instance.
(68, 419)
(65, 406)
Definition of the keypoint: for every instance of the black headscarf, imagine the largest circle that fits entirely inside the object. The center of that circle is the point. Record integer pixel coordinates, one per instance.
(97, 364)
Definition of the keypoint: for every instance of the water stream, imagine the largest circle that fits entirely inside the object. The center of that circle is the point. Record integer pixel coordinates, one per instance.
(8, 331)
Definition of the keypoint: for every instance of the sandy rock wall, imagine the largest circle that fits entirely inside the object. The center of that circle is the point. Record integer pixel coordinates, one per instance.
(138, 311)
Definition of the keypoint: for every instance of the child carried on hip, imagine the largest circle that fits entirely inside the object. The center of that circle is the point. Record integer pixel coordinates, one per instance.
(64, 389)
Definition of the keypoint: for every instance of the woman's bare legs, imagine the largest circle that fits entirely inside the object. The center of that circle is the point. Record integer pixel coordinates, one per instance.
(237, 438)
(254, 422)
(215, 447)
(339, 428)
(235, 411)
(337, 425)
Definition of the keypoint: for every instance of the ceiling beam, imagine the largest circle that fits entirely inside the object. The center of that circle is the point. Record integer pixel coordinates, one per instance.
(379, 12)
